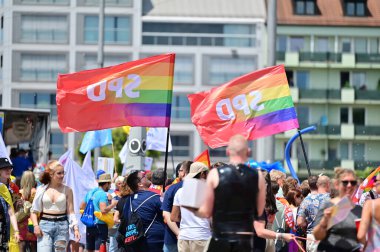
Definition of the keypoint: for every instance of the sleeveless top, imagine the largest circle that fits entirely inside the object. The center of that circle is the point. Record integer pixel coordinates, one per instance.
(373, 243)
(235, 201)
(58, 206)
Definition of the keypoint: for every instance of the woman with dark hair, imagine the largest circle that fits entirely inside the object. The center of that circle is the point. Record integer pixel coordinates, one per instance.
(342, 236)
(294, 197)
(54, 205)
(263, 224)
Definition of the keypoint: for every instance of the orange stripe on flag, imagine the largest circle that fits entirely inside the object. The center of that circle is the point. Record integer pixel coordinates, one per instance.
(204, 157)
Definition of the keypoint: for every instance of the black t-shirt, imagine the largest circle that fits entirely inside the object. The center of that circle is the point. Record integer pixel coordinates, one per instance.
(120, 206)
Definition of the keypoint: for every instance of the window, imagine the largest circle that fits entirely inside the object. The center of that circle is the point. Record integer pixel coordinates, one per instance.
(305, 7)
(180, 108)
(184, 70)
(358, 116)
(358, 79)
(281, 43)
(343, 115)
(344, 79)
(38, 67)
(223, 69)
(374, 45)
(117, 30)
(57, 144)
(345, 44)
(360, 45)
(43, 2)
(303, 115)
(358, 151)
(181, 145)
(44, 29)
(91, 61)
(302, 78)
(344, 153)
(289, 76)
(322, 44)
(355, 8)
(297, 44)
(124, 3)
(38, 101)
(218, 152)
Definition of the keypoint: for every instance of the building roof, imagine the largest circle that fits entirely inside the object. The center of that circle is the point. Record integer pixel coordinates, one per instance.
(205, 8)
(331, 14)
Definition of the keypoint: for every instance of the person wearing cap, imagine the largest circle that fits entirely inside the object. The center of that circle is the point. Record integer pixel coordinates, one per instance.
(97, 235)
(194, 232)
(235, 195)
(54, 205)
(9, 233)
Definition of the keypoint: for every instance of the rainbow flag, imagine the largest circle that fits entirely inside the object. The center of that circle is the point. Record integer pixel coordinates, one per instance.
(137, 93)
(255, 105)
(366, 185)
(204, 157)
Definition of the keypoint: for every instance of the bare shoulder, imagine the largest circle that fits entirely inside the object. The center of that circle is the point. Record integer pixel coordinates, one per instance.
(213, 178)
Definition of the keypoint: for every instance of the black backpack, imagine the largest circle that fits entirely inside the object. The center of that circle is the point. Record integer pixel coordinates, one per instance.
(131, 229)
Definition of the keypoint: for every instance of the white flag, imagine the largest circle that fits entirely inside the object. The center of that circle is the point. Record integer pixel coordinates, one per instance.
(156, 139)
(123, 152)
(3, 149)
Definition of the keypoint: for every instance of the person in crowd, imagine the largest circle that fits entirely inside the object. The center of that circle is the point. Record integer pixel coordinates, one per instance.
(168, 182)
(194, 232)
(28, 191)
(9, 232)
(54, 205)
(171, 228)
(264, 237)
(147, 204)
(343, 235)
(99, 173)
(369, 229)
(279, 177)
(158, 180)
(21, 163)
(115, 197)
(305, 188)
(217, 165)
(290, 183)
(97, 235)
(235, 195)
(294, 197)
(125, 191)
(278, 223)
(320, 188)
(178, 177)
(370, 195)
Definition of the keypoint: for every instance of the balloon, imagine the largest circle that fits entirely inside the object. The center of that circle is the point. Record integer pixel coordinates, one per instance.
(107, 218)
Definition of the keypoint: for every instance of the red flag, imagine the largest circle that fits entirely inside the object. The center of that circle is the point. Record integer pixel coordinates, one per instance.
(255, 105)
(137, 93)
(204, 157)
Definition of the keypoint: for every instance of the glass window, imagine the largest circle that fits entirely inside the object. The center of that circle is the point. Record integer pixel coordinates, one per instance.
(38, 67)
(124, 3)
(223, 69)
(180, 107)
(360, 45)
(91, 61)
(305, 7)
(117, 30)
(358, 151)
(322, 44)
(218, 152)
(345, 44)
(302, 79)
(237, 29)
(57, 144)
(343, 115)
(303, 115)
(358, 116)
(184, 70)
(355, 8)
(297, 44)
(281, 43)
(44, 2)
(374, 45)
(344, 151)
(358, 79)
(39, 101)
(181, 145)
(44, 29)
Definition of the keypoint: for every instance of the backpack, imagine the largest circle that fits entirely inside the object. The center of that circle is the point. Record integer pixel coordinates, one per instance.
(88, 216)
(132, 228)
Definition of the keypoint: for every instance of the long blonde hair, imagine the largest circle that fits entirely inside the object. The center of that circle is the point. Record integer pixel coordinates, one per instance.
(28, 182)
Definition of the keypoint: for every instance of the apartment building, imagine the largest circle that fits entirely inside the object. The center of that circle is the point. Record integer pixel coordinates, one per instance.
(215, 41)
(331, 52)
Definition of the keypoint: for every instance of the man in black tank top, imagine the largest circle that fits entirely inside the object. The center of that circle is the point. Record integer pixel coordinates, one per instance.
(235, 194)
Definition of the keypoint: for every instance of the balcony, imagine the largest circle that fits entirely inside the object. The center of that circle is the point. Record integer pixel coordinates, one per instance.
(322, 130)
(318, 164)
(320, 57)
(367, 95)
(43, 2)
(367, 130)
(361, 165)
(367, 58)
(313, 93)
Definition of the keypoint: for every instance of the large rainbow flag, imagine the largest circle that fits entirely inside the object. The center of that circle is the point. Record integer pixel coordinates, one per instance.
(137, 93)
(255, 105)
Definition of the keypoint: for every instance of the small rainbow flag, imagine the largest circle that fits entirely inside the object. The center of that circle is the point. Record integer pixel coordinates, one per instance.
(255, 105)
(204, 157)
(137, 93)
(366, 185)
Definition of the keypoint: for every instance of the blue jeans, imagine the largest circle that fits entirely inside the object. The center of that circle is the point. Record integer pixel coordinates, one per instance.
(170, 247)
(55, 236)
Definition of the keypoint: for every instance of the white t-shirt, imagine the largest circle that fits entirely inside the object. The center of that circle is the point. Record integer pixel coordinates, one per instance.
(191, 226)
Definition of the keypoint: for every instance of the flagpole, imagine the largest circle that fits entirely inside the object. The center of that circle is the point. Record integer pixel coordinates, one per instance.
(166, 157)
(304, 153)
(114, 159)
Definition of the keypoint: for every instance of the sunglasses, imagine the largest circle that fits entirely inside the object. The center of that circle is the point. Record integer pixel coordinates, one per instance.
(352, 182)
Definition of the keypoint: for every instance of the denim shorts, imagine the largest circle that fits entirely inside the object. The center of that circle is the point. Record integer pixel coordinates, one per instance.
(95, 236)
(55, 236)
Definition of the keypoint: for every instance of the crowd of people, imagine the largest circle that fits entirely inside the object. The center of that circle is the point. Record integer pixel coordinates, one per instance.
(245, 209)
